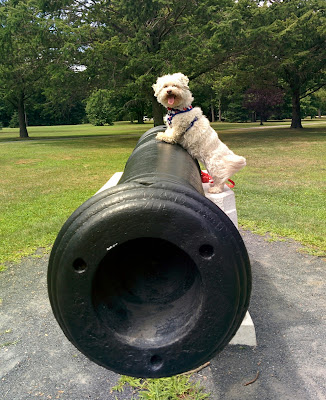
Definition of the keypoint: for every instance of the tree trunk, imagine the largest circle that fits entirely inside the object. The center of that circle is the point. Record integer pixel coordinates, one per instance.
(212, 111)
(296, 111)
(220, 110)
(140, 114)
(21, 118)
(140, 118)
(157, 112)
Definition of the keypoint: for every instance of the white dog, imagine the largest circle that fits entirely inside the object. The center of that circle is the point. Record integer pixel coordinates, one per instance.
(191, 129)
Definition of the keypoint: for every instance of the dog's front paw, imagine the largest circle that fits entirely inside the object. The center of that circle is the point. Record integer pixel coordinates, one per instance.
(164, 138)
(160, 136)
(215, 189)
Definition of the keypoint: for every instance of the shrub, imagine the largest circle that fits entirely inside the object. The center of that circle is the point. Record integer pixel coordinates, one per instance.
(100, 108)
(14, 123)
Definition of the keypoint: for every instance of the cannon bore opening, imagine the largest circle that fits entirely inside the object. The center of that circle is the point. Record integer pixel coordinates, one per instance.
(149, 291)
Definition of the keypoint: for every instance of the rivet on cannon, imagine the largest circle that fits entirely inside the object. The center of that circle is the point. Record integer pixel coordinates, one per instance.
(149, 278)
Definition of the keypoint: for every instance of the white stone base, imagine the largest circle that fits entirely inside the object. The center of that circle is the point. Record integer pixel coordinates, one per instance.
(224, 200)
(111, 182)
(246, 334)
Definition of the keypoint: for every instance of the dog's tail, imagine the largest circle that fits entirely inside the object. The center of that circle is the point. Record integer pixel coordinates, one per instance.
(234, 163)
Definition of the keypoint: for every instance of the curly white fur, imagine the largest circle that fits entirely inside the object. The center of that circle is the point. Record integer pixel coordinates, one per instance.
(193, 132)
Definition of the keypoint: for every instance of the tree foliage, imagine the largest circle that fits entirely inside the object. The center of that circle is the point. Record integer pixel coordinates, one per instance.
(288, 44)
(263, 100)
(131, 44)
(37, 55)
(24, 54)
(127, 47)
(53, 54)
(100, 109)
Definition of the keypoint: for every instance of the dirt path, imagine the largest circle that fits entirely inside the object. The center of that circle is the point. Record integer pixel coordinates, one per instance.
(288, 308)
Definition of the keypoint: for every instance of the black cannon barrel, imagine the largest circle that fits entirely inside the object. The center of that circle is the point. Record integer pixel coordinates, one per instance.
(150, 278)
(152, 162)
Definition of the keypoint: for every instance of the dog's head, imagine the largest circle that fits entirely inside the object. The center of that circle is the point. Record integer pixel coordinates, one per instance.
(173, 91)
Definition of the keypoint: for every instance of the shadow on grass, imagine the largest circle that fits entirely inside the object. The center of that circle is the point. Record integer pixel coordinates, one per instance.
(238, 137)
(122, 142)
(272, 136)
(49, 138)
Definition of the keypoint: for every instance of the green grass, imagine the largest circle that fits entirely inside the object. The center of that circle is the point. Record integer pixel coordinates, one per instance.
(124, 128)
(282, 189)
(221, 126)
(175, 388)
(44, 179)
(73, 131)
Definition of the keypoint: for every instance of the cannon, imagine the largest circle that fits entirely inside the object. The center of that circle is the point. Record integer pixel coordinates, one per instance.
(150, 278)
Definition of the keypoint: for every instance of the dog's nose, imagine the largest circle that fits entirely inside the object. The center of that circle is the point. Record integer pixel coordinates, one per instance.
(169, 91)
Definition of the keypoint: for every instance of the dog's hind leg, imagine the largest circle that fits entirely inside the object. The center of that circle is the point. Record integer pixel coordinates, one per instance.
(223, 169)
(233, 163)
(216, 169)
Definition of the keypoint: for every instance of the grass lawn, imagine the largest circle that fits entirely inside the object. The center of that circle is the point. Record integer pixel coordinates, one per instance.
(282, 190)
(44, 179)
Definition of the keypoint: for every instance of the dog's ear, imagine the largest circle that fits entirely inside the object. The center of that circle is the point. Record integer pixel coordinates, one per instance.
(183, 79)
(155, 86)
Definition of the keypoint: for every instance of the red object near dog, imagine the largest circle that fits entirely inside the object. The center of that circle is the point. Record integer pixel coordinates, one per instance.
(206, 178)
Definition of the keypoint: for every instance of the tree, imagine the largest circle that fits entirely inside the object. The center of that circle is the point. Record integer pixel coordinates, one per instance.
(64, 93)
(301, 47)
(32, 46)
(288, 40)
(100, 109)
(126, 43)
(58, 52)
(320, 99)
(136, 107)
(127, 46)
(224, 86)
(5, 113)
(23, 53)
(263, 100)
(309, 107)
